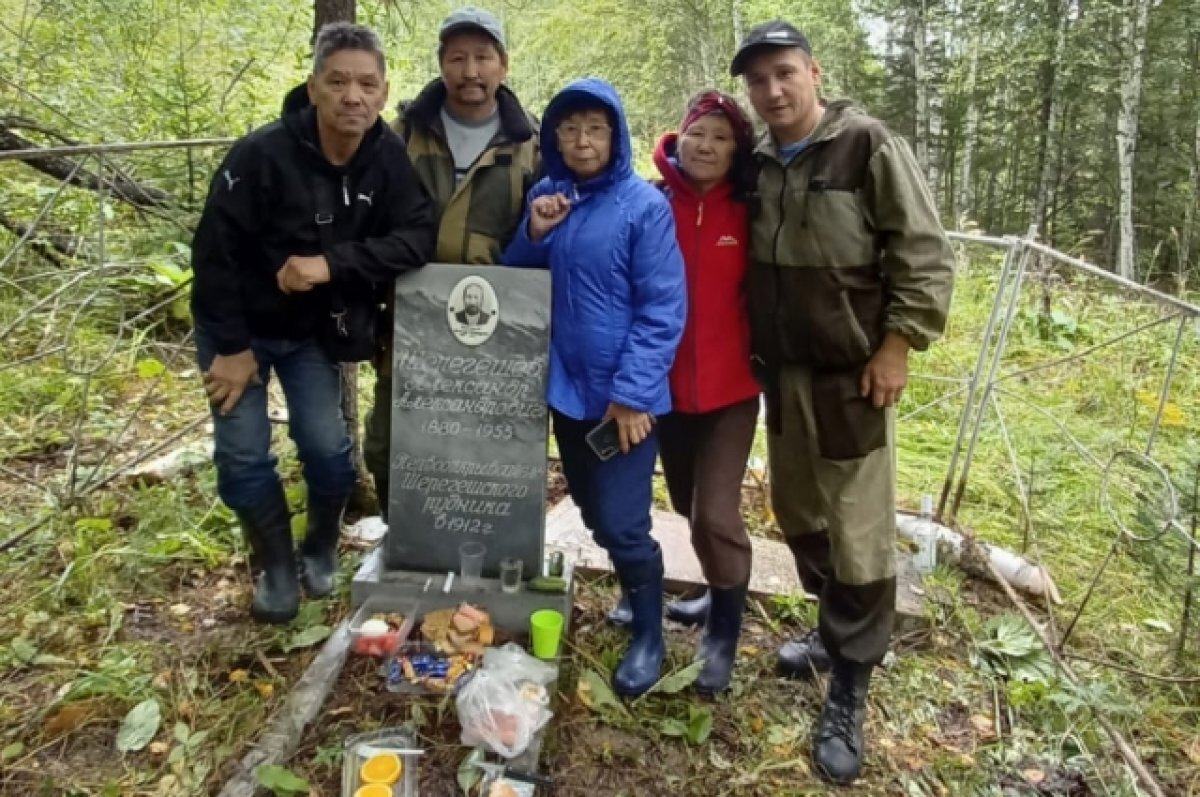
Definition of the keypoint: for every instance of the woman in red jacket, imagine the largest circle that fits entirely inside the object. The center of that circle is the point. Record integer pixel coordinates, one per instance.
(708, 175)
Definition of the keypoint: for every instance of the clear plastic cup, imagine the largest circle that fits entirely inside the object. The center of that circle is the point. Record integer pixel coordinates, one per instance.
(470, 563)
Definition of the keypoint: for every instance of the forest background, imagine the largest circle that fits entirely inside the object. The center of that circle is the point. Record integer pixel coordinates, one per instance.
(1079, 117)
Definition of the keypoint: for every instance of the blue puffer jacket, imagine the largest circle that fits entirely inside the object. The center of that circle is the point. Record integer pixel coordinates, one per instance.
(619, 291)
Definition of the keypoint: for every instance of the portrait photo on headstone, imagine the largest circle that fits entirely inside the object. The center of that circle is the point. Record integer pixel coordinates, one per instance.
(472, 311)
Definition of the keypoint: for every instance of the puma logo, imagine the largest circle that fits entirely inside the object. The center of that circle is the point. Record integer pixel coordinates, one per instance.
(367, 198)
(231, 180)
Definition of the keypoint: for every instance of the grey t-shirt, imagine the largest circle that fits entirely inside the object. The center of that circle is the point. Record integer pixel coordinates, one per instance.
(467, 140)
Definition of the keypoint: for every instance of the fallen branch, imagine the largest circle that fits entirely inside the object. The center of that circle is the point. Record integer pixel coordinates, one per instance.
(1166, 679)
(980, 558)
(123, 188)
(55, 248)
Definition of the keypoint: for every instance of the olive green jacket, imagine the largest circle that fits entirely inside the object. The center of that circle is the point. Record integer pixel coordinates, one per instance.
(478, 215)
(846, 246)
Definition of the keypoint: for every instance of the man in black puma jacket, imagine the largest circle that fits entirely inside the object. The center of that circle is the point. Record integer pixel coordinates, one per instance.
(265, 276)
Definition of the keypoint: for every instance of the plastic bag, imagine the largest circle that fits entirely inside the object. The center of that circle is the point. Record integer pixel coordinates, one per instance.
(514, 663)
(501, 713)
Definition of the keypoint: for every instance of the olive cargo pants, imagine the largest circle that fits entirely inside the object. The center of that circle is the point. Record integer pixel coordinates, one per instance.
(832, 466)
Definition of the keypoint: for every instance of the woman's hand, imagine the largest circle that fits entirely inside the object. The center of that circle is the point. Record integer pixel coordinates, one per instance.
(546, 213)
(633, 425)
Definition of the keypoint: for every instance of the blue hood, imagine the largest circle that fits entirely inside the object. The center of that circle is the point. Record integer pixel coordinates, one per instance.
(588, 91)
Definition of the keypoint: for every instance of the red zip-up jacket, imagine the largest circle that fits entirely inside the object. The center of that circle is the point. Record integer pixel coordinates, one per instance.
(712, 365)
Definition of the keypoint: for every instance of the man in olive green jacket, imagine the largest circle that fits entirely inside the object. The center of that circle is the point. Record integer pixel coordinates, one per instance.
(476, 151)
(850, 270)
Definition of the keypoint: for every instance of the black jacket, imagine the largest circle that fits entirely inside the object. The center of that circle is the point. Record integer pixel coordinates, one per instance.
(262, 208)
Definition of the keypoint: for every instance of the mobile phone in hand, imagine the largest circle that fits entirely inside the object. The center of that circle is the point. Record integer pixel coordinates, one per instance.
(605, 439)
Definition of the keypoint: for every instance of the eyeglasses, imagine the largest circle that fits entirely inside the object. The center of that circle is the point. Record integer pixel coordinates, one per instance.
(571, 132)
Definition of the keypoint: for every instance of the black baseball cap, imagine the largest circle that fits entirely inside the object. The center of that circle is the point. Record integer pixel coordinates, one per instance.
(775, 33)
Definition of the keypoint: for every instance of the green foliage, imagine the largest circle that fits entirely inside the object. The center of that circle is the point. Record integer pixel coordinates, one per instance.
(695, 728)
(164, 69)
(280, 780)
(307, 638)
(469, 770)
(139, 726)
(796, 609)
(1010, 649)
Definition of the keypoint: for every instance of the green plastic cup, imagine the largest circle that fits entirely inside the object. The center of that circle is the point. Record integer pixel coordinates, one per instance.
(546, 627)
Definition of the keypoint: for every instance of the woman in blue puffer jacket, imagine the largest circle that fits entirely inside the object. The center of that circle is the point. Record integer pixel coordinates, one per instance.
(619, 299)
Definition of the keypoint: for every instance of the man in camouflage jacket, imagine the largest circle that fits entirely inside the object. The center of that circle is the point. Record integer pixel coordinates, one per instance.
(850, 270)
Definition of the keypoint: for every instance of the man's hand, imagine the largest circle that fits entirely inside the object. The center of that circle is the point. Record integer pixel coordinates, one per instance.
(226, 379)
(632, 425)
(546, 213)
(886, 374)
(300, 274)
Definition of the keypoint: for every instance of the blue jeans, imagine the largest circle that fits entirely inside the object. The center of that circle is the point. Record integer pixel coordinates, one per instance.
(312, 386)
(614, 497)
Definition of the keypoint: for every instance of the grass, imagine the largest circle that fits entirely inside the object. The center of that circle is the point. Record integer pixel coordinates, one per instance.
(136, 593)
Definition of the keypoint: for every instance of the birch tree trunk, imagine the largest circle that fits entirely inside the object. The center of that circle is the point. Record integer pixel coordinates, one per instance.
(916, 27)
(964, 203)
(1047, 160)
(1189, 213)
(933, 94)
(737, 22)
(1187, 234)
(1133, 30)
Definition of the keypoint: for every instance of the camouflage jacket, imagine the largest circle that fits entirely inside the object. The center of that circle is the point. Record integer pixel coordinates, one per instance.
(477, 216)
(846, 246)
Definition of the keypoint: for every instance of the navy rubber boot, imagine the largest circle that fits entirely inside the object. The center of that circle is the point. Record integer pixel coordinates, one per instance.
(690, 611)
(642, 664)
(621, 615)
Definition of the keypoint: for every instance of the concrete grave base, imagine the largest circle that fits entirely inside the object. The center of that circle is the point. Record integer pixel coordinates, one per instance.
(773, 573)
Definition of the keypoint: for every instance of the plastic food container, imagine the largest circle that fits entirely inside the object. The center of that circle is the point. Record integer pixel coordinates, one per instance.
(380, 645)
(376, 747)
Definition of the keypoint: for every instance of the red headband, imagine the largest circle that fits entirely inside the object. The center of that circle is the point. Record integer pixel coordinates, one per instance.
(714, 102)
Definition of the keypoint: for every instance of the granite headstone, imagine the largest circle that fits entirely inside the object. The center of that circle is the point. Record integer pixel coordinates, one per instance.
(468, 455)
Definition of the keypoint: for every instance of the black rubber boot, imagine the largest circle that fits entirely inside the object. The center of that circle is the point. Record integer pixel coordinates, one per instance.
(804, 657)
(318, 552)
(621, 615)
(718, 646)
(838, 743)
(642, 664)
(268, 528)
(692, 611)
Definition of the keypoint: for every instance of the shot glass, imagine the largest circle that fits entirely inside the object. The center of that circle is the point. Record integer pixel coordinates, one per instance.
(510, 574)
